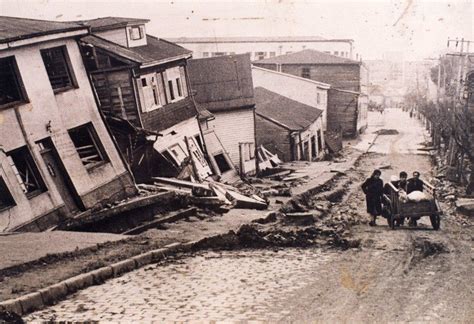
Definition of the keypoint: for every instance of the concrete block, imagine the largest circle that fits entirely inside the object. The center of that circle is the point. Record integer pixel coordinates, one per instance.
(54, 293)
(123, 266)
(12, 305)
(31, 302)
(79, 282)
(143, 259)
(102, 274)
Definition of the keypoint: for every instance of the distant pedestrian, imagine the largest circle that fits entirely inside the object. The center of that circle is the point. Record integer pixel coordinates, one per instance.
(373, 190)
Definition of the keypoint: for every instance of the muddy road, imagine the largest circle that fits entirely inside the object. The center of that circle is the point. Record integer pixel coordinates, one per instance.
(407, 274)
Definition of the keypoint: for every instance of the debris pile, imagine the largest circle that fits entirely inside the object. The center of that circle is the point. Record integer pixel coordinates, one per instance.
(386, 132)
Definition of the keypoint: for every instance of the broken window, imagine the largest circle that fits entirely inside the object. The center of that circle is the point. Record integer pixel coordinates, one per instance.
(58, 68)
(222, 163)
(306, 73)
(6, 199)
(88, 145)
(176, 83)
(26, 171)
(11, 89)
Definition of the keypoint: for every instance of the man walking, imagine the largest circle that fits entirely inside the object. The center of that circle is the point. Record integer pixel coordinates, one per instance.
(373, 190)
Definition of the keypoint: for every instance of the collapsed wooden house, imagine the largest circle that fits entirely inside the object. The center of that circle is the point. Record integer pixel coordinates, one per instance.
(141, 81)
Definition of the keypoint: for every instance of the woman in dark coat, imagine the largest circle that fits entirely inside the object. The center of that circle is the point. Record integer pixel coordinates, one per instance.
(373, 190)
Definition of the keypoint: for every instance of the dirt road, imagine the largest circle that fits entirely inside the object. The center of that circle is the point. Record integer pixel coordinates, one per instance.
(410, 274)
(407, 274)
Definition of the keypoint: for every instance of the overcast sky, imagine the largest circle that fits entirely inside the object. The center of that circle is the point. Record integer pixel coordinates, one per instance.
(418, 28)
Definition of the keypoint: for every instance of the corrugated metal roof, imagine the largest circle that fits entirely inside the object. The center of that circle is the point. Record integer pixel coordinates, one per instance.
(293, 114)
(15, 28)
(256, 39)
(156, 49)
(307, 56)
(106, 23)
(223, 82)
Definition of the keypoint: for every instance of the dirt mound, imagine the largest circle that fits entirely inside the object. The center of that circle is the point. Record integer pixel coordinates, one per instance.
(386, 132)
(426, 248)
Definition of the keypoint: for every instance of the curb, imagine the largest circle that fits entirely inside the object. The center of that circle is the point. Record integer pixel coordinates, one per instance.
(54, 293)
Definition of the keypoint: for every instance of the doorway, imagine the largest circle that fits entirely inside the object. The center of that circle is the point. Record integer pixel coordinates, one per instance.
(60, 177)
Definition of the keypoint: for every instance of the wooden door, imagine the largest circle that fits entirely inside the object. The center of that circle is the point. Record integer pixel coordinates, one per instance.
(60, 177)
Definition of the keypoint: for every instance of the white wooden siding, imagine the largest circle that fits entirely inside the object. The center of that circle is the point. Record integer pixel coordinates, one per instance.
(232, 128)
(115, 35)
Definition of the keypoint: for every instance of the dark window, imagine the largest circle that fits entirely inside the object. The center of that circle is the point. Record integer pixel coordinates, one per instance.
(178, 86)
(11, 89)
(306, 73)
(26, 172)
(88, 145)
(199, 142)
(222, 163)
(170, 86)
(58, 67)
(144, 82)
(6, 199)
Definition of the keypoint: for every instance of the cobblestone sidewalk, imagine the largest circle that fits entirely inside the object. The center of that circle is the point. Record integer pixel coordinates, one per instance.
(224, 286)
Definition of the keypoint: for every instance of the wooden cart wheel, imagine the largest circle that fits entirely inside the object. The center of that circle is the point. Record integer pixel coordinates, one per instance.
(435, 221)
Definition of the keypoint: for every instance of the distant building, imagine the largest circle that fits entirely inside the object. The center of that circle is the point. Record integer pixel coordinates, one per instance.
(223, 86)
(307, 91)
(266, 47)
(347, 97)
(142, 85)
(57, 158)
(287, 127)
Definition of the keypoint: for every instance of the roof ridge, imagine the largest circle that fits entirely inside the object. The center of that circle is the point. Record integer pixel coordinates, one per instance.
(43, 20)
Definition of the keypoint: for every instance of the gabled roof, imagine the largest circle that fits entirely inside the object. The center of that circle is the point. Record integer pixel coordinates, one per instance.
(223, 82)
(256, 39)
(288, 113)
(307, 56)
(107, 23)
(15, 28)
(156, 50)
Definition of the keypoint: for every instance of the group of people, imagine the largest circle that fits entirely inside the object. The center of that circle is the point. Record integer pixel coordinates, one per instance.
(374, 190)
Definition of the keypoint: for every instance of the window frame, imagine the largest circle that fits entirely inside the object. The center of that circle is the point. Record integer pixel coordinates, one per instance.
(68, 65)
(18, 83)
(97, 145)
(140, 32)
(33, 168)
(306, 72)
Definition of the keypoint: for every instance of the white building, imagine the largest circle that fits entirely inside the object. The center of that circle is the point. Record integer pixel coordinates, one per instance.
(57, 158)
(307, 91)
(265, 47)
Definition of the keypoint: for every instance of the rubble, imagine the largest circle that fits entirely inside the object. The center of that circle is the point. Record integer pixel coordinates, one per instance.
(386, 132)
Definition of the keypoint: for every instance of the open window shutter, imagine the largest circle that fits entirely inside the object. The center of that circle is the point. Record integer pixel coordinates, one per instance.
(184, 86)
(161, 88)
(165, 84)
(148, 94)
